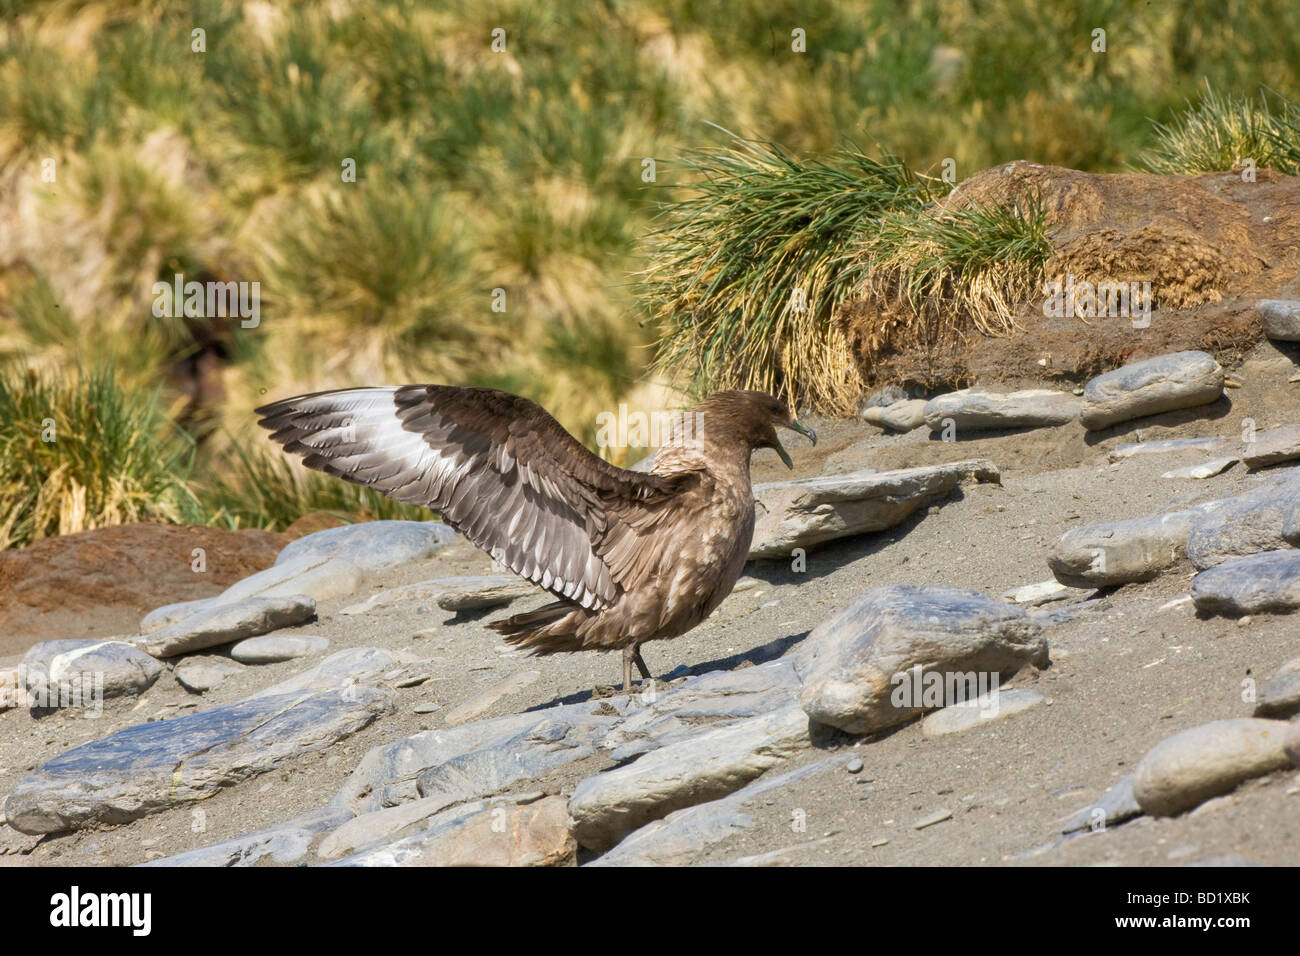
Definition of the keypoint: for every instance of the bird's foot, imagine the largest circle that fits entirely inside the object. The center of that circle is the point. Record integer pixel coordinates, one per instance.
(632, 655)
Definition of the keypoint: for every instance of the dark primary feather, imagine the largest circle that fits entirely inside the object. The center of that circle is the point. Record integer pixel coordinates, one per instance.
(497, 468)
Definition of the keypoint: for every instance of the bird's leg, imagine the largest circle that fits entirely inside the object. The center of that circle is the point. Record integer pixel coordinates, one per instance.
(632, 655)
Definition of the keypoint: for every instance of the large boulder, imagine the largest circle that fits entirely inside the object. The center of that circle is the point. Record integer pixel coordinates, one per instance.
(895, 652)
(1162, 384)
(153, 766)
(1268, 581)
(1185, 770)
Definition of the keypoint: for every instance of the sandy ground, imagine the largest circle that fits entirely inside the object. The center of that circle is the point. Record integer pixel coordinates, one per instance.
(1126, 673)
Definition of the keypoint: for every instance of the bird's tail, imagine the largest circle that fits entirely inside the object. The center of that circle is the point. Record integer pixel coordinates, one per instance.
(531, 628)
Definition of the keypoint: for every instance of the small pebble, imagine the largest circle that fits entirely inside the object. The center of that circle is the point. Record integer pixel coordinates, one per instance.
(854, 765)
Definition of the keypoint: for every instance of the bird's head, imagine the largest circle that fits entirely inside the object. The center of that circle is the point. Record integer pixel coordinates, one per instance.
(749, 417)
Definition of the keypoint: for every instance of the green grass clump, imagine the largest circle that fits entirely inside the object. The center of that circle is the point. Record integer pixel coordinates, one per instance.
(78, 452)
(965, 267)
(747, 271)
(1222, 132)
(268, 490)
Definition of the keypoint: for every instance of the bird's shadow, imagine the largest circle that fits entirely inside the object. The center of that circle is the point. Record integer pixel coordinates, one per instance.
(752, 657)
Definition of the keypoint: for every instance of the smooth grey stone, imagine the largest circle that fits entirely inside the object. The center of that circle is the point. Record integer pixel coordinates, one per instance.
(225, 623)
(1268, 581)
(1281, 318)
(1167, 446)
(373, 545)
(201, 674)
(1185, 770)
(860, 667)
(899, 417)
(607, 807)
(974, 410)
(272, 649)
(884, 397)
(1114, 807)
(1150, 387)
(1280, 696)
(169, 614)
(681, 835)
(1272, 446)
(157, 765)
(809, 511)
(82, 672)
(1119, 552)
(982, 711)
(1245, 524)
(1044, 592)
(286, 842)
(311, 574)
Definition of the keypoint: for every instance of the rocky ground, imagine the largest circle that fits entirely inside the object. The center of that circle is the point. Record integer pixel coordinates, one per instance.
(405, 732)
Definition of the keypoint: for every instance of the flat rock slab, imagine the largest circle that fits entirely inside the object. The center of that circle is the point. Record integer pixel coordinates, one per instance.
(901, 416)
(477, 759)
(809, 511)
(154, 766)
(1269, 581)
(607, 807)
(274, 648)
(1281, 319)
(706, 702)
(1115, 806)
(1206, 469)
(1166, 447)
(1044, 592)
(680, 836)
(84, 672)
(982, 711)
(974, 410)
(284, 843)
(202, 674)
(877, 662)
(1185, 770)
(1162, 384)
(1258, 520)
(524, 834)
(485, 700)
(1271, 446)
(1280, 696)
(219, 624)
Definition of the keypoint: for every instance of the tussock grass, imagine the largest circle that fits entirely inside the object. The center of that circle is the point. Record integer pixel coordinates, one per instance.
(1221, 131)
(968, 266)
(747, 271)
(269, 490)
(113, 457)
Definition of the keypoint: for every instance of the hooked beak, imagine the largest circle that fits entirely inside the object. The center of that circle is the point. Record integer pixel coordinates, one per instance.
(802, 429)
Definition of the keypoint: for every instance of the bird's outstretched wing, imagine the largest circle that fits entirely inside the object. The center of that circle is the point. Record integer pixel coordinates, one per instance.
(496, 467)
